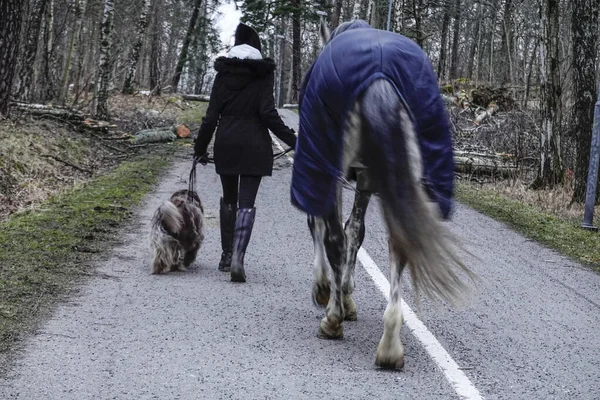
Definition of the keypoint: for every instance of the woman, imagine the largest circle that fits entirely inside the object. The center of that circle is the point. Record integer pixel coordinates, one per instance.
(242, 104)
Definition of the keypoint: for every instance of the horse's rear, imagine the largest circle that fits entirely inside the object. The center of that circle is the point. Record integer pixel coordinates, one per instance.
(417, 236)
(380, 132)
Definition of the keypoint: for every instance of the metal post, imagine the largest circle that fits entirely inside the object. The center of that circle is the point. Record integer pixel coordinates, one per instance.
(389, 15)
(590, 198)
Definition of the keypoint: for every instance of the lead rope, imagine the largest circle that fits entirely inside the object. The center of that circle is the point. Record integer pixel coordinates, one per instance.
(192, 180)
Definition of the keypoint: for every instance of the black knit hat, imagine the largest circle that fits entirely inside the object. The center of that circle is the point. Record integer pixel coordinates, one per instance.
(246, 35)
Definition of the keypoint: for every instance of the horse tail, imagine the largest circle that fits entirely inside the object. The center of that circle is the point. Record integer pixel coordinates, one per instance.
(415, 226)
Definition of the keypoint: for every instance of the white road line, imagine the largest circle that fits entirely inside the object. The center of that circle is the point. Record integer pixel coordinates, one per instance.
(457, 378)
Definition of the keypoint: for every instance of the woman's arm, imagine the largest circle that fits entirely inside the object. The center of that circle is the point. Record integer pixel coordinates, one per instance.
(210, 120)
(271, 118)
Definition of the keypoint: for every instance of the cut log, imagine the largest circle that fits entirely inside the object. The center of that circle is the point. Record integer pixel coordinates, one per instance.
(196, 97)
(97, 125)
(492, 108)
(46, 110)
(183, 131)
(484, 164)
(155, 136)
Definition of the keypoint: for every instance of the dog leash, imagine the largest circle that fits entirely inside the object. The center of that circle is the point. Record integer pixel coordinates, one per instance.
(192, 180)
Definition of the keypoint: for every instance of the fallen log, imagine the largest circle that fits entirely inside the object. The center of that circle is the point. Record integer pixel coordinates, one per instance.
(47, 110)
(154, 136)
(196, 97)
(491, 110)
(485, 164)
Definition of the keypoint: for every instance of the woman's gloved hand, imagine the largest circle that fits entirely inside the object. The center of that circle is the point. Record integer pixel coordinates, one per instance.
(201, 159)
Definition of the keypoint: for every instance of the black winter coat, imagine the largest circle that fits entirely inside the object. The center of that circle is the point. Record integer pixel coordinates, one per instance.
(242, 104)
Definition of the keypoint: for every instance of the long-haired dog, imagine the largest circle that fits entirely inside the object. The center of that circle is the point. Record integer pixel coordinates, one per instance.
(177, 232)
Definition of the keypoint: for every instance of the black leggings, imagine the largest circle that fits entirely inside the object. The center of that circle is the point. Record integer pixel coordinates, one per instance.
(240, 188)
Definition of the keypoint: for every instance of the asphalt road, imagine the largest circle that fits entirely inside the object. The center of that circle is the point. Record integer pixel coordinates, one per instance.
(529, 330)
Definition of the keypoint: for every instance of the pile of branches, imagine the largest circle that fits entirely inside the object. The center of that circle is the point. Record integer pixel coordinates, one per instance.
(494, 141)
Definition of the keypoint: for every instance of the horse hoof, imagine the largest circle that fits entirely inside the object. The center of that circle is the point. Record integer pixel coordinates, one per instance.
(320, 294)
(349, 309)
(389, 363)
(328, 330)
(392, 358)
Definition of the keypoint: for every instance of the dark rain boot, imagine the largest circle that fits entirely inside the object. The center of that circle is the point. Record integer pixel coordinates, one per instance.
(227, 214)
(242, 232)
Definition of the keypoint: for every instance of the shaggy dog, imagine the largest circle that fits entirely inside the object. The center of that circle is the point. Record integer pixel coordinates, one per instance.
(177, 232)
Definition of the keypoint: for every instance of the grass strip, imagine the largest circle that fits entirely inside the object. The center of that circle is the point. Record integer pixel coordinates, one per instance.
(44, 252)
(565, 236)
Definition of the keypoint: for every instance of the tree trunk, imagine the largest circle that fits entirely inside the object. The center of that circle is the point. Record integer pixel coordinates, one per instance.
(79, 6)
(335, 16)
(283, 57)
(186, 44)
(296, 44)
(443, 44)
(455, 41)
(418, 8)
(156, 49)
(104, 75)
(399, 16)
(31, 46)
(584, 27)
(551, 168)
(358, 10)
(10, 30)
(135, 50)
(49, 59)
(507, 38)
(475, 44)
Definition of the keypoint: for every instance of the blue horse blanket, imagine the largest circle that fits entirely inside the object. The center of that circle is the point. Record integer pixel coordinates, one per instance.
(347, 65)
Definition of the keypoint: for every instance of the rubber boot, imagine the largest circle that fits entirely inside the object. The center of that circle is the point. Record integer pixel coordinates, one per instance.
(242, 232)
(227, 214)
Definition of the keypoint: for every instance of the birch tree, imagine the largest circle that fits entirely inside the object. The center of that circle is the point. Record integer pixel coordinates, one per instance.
(104, 74)
(137, 45)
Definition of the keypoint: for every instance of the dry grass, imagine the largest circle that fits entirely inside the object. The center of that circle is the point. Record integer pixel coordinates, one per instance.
(28, 173)
(555, 201)
(544, 216)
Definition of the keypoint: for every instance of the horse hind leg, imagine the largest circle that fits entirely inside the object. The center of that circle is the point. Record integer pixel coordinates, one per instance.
(321, 286)
(331, 326)
(390, 352)
(355, 234)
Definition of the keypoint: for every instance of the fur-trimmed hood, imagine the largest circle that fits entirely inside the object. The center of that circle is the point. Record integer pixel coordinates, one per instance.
(236, 73)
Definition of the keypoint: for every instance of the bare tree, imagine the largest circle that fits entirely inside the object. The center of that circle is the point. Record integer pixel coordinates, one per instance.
(156, 48)
(135, 50)
(444, 42)
(296, 44)
(186, 45)
(584, 26)
(31, 47)
(455, 41)
(10, 29)
(551, 171)
(79, 7)
(104, 75)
